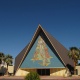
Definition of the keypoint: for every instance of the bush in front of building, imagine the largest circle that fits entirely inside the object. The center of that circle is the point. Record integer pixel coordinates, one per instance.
(32, 76)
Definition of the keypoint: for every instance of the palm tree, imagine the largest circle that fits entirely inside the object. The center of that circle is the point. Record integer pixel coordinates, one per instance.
(9, 60)
(1, 57)
(74, 54)
(79, 53)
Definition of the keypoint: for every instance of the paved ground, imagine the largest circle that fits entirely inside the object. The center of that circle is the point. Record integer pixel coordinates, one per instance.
(42, 78)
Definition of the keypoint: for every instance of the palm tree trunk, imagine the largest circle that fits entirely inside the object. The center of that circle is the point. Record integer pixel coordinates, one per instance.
(7, 70)
(74, 68)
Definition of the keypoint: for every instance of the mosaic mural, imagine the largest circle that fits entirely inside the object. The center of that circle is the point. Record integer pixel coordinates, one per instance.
(41, 53)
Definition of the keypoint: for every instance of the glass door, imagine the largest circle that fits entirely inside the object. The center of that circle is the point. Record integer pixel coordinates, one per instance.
(43, 72)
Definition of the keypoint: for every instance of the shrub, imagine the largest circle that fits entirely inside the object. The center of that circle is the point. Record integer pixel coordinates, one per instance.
(32, 76)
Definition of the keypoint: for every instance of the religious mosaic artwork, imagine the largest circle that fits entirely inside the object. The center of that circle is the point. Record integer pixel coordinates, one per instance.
(41, 53)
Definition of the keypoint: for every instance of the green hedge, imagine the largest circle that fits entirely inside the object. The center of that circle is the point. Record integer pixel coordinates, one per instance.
(32, 76)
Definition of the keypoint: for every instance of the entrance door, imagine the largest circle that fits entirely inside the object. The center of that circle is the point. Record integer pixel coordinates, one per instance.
(43, 72)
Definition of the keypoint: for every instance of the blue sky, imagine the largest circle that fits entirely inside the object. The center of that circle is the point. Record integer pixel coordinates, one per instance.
(20, 18)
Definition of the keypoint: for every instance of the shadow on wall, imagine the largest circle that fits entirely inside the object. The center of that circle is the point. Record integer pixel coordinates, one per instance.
(3, 70)
(71, 69)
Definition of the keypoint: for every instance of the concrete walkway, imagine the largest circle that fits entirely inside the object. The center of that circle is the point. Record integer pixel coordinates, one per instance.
(59, 78)
(42, 78)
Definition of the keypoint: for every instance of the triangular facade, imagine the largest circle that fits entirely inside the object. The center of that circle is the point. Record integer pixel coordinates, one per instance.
(41, 55)
(43, 51)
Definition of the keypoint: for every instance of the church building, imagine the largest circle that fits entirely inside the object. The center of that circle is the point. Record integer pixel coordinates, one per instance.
(44, 55)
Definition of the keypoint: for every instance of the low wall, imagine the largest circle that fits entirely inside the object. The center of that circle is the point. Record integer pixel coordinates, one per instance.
(57, 72)
(23, 72)
(53, 72)
(78, 70)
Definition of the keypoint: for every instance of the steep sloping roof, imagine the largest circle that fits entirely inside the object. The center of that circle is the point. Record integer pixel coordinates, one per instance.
(61, 51)
(19, 57)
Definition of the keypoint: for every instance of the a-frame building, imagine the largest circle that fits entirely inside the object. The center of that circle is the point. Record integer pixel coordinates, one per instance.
(45, 55)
